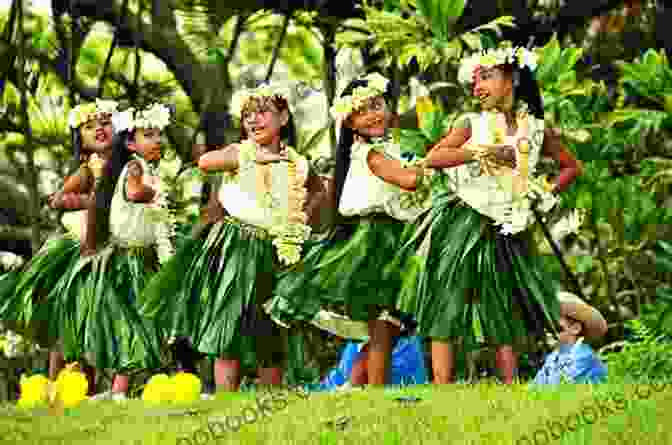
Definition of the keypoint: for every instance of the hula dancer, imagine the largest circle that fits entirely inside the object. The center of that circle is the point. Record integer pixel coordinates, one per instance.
(33, 300)
(132, 213)
(352, 276)
(227, 273)
(477, 264)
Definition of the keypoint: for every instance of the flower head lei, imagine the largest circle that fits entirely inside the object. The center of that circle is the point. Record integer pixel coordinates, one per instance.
(520, 57)
(83, 113)
(155, 116)
(346, 105)
(242, 98)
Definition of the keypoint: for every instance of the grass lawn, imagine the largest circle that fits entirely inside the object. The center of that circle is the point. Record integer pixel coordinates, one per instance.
(456, 414)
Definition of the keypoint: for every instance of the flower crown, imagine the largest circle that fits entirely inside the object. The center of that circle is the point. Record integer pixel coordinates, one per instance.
(346, 105)
(242, 97)
(521, 57)
(83, 113)
(155, 116)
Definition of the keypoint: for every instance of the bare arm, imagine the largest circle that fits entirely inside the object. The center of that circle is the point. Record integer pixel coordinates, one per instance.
(450, 151)
(317, 194)
(570, 167)
(136, 191)
(75, 192)
(222, 159)
(390, 170)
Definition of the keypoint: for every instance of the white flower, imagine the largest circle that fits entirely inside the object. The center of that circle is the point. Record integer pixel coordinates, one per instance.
(10, 261)
(344, 106)
(493, 57)
(242, 96)
(377, 82)
(157, 116)
(568, 224)
(123, 120)
(84, 112)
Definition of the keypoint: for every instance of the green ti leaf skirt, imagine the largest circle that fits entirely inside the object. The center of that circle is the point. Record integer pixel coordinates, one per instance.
(464, 279)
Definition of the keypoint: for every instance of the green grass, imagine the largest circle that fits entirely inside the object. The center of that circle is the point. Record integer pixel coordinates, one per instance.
(461, 414)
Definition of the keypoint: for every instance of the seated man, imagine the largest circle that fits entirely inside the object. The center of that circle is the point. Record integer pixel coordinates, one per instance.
(574, 360)
(407, 367)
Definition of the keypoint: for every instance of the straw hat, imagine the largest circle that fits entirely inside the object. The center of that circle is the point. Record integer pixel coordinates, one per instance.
(594, 324)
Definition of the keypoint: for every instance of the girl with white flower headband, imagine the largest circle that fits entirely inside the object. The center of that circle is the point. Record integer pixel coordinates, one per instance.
(477, 265)
(133, 235)
(34, 301)
(212, 290)
(351, 275)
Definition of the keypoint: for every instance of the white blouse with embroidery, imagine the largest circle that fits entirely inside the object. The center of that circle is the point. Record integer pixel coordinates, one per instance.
(244, 197)
(364, 193)
(496, 195)
(131, 223)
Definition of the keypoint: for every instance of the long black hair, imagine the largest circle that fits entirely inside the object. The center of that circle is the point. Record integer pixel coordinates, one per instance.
(347, 138)
(99, 216)
(525, 88)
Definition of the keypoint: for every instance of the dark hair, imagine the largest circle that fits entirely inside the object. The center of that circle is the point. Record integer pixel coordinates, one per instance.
(346, 139)
(76, 139)
(526, 89)
(99, 216)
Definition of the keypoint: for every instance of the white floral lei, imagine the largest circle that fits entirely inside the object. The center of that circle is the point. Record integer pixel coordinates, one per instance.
(85, 112)
(521, 57)
(344, 106)
(521, 207)
(162, 215)
(243, 96)
(288, 238)
(155, 116)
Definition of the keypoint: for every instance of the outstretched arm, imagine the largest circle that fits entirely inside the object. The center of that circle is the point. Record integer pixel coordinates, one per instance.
(136, 191)
(223, 159)
(390, 170)
(450, 151)
(570, 167)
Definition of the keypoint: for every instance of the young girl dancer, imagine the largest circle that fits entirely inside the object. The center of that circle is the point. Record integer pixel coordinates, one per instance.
(32, 300)
(131, 213)
(478, 263)
(353, 275)
(226, 274)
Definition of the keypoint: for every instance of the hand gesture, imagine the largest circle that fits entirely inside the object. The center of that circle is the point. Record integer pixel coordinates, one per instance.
(503, 154)
(266, 157)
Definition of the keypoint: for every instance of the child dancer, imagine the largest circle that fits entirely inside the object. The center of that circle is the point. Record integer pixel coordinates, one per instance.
(227, 273)
(32, 301)
(131, 208)
(352, 275)
(472, 269)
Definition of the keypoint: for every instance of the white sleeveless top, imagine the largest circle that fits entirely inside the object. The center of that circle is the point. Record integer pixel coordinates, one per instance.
(240, 196)
(364, 193)
(130, 224)
(494, 196)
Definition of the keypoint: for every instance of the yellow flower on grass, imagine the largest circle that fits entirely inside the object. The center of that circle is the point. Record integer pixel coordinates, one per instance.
(158, 389)
(34, 391)
(187, 387)
(71, 387)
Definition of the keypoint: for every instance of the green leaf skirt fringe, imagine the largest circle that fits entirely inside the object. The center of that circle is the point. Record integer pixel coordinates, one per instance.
(467, 277)
(89, 303)
(28, 303)
(349, 276)
(212, 291)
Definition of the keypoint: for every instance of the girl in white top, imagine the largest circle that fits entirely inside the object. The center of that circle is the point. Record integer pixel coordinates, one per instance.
(353, 274)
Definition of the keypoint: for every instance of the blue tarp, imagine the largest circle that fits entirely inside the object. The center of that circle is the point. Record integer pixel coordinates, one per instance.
(408, 364)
